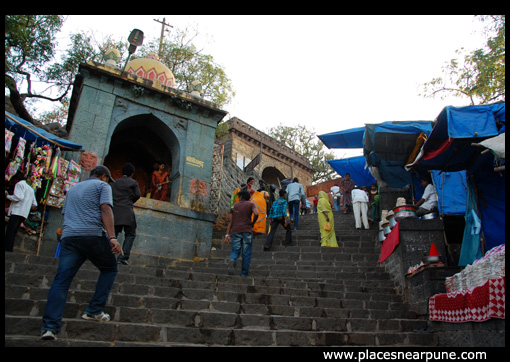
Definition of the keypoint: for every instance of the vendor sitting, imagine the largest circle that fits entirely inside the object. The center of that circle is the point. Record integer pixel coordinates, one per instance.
(428, 202)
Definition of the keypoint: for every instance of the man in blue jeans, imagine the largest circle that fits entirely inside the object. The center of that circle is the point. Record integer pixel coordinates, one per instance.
(243, 215)
(87, 213)
(295, 193)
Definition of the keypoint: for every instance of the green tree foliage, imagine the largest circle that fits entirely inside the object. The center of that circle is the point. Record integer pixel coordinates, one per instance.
(305, 142)
(30, 51)
(481, 75)
(188, 63)
(29, 46)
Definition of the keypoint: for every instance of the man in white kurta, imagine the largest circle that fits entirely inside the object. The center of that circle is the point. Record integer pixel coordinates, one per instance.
(22, 201)
(360, 207)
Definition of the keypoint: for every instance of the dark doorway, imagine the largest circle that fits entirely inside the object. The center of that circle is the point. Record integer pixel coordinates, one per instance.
(271, 175)
(141, 141)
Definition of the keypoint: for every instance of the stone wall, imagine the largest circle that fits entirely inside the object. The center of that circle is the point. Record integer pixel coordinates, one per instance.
(231, 178)
(416, 238)
(245, 140)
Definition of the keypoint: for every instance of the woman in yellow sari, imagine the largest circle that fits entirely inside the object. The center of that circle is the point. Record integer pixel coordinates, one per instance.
(325, 215)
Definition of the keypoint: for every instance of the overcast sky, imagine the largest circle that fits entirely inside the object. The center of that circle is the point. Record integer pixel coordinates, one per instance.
(329, 73)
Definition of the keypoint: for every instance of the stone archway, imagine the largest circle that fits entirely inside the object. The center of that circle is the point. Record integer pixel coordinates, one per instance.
(143, 140)
(271, 175)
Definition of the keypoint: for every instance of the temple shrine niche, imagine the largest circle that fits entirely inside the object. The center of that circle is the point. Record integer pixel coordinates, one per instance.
(138, 116)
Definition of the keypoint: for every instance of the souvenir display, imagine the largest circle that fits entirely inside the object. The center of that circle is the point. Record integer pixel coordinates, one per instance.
(15, 164)
(491, 266)
(20, 149)
(53, 169)
(477, 293)
(42, 163)
(56, 193)
(63, 165)
(37, 168)
(73, 175)
(8, 140)
(11, 170)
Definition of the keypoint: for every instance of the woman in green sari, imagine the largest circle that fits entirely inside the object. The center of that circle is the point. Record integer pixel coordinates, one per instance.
(325, 215)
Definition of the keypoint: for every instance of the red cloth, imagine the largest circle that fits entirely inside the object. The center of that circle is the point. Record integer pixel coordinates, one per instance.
(389, 244)
(470, 305)
(442, 148)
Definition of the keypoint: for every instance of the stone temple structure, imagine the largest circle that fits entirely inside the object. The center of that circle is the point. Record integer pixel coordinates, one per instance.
(138, 116)
(247, 152)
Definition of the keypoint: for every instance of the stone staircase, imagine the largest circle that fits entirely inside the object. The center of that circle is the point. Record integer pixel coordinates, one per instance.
(302, 295)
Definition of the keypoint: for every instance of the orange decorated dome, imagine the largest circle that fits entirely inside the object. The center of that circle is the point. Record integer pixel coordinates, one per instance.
(151, 68)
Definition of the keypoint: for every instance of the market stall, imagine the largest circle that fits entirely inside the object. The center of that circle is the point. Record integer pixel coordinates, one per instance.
(476, 294)
(38, 154)
(472, 139)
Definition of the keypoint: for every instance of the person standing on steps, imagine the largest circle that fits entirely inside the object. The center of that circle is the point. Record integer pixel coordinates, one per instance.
(88, 233)
(126, 192)
(337, 196)
(374, 202)
(315, 202)
(295, 193)
(22, 201)
(277, 215)
(347, 185)
(243, 216)
(360, 207)
(326, 221)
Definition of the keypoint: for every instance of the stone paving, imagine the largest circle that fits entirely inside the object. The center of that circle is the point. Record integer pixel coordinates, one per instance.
(302, 295)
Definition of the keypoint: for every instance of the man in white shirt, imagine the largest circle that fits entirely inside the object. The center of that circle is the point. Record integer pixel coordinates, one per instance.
(360, 207)
(428, 201)
(22, 201)
(335, 192)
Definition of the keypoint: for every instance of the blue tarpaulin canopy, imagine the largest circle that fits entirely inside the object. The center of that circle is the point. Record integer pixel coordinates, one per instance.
(31, 133)
(451, 188)
(451, 147)
(355, 166)
(349, 138)
(387, 147)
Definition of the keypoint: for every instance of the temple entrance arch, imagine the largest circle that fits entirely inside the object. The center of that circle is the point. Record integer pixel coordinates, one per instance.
(143, 140)
(271, 175)
(121, 117)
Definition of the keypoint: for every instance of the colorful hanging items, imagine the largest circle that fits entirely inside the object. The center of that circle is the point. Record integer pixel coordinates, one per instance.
(38, 167)
(53, 169)
(20, 149)
(11, 170)
(15, 164)
(8, 140)
(73, 175)
(63, 165)
(42, 163)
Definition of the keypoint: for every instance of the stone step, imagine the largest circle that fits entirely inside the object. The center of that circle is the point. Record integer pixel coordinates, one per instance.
(205, 314)
(124, 333)
(32, 277)
(123, 295)
(35, 287)
(302, 295)
(318, 277)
